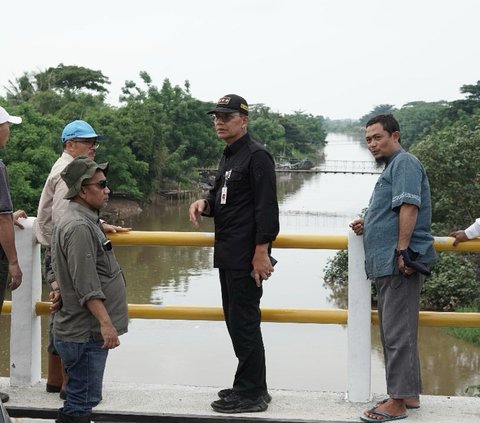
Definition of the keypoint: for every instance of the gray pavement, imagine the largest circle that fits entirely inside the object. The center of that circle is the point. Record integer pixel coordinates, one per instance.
(193, 403)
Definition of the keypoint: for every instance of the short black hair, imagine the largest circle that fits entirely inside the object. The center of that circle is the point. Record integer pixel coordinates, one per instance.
(388, 122)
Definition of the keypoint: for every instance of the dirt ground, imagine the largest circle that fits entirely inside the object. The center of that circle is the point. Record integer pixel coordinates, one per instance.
(120, 210)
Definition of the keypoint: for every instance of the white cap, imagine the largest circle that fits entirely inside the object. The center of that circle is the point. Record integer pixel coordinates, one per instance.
(5, 117)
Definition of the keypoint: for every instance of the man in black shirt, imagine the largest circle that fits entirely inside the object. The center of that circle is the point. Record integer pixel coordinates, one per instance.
(243, 203)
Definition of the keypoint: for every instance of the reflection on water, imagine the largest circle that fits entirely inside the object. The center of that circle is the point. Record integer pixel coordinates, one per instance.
(305, 356)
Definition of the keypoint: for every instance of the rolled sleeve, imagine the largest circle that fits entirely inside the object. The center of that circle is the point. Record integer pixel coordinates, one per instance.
(5, 200)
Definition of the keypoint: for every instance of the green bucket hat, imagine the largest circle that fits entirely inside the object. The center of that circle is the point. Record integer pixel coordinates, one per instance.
(77, 171)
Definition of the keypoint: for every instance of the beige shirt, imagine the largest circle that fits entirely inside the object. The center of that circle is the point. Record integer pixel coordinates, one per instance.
(52, 204)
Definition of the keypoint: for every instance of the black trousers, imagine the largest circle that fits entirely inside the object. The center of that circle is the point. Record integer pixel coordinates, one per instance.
(3, 276)
(241, 308)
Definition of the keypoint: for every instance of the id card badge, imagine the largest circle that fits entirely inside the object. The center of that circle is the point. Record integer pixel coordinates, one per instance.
(223, 196)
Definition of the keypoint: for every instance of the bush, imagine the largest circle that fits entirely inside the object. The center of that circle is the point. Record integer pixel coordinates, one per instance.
(336, 278)
(452, 284)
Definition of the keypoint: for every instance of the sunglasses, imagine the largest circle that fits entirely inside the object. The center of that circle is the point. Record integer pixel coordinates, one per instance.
(100, 184)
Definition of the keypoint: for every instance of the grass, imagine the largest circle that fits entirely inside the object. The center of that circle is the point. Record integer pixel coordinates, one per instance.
(471, 335)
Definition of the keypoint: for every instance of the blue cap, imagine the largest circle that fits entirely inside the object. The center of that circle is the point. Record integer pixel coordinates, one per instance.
(79, 129)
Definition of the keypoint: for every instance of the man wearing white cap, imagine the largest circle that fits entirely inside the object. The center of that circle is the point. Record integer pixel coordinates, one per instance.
(8, 252)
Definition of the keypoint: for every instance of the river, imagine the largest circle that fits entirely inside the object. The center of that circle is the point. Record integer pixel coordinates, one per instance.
(299, 356)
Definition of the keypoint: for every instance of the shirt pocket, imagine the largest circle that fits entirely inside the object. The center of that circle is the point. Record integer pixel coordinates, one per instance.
(238, 181)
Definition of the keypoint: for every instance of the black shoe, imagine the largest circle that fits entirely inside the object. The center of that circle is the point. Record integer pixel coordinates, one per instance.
(4, 397)
(53, 388)
(226, 392)
(234, 403)
(63, 394)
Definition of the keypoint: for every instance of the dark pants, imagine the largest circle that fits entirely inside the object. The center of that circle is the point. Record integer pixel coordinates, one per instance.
(398, 307)
(85, 366)
(241, 308)
(47, 267)
(3, 276)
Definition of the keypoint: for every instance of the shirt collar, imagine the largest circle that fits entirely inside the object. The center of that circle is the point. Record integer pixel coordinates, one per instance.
(90, 214)
(236, 146)
(390, 159)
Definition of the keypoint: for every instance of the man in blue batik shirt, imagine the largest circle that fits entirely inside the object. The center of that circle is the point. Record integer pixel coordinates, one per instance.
(398, 251)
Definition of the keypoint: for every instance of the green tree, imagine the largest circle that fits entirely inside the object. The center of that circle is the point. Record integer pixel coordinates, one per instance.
(336, 278)
(30, 154)
(265, 126)
(381, 109)
(451, 157)
(66, 78)
(21, 89)
(305, 133)
(417, 118)
(453, 284)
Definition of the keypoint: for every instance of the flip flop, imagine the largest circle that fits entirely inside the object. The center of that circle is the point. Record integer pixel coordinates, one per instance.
(383, 417)
(408, 407)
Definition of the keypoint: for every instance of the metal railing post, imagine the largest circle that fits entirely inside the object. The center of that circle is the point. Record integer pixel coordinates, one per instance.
(25, 331)
(359, 323)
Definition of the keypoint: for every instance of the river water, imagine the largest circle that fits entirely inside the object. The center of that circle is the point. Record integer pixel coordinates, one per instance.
(299, 356)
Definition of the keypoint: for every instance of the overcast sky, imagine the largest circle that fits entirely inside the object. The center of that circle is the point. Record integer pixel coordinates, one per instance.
(336, 58)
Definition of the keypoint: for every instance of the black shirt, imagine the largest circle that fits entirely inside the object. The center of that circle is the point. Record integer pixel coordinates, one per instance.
(250, 213)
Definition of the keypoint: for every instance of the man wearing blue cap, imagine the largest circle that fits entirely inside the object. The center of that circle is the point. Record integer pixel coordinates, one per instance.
(78, 139)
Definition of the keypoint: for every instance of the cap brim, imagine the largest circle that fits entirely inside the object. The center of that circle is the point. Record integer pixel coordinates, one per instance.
(92, 135)
(222, 110)
(86, 136)
(15, 119)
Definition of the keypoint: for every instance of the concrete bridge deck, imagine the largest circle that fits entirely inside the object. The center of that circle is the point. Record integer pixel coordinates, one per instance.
(160, 403)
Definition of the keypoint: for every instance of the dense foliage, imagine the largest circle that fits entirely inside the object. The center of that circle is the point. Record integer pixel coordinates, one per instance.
(158, 137)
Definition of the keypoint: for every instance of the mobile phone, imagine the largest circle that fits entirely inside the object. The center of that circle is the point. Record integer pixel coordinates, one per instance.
(272, 260)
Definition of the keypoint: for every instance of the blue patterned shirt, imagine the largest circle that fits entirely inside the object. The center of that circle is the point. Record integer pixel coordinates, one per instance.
(403, 181)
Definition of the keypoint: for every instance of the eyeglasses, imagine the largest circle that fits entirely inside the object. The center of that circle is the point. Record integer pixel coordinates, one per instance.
(91, 144)
(99, 184)
(225, 117)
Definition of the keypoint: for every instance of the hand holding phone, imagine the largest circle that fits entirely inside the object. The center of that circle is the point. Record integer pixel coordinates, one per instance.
(272, 261)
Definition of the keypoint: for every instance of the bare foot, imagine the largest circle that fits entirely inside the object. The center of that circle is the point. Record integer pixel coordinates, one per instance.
(410, 403)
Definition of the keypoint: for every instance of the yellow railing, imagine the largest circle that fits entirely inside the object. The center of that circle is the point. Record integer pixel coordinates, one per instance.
(278, 315)
(334, 242)
(306, 241)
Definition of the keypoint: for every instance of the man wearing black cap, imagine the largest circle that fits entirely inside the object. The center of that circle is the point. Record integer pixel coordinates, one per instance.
(94, 311)
(243, 203)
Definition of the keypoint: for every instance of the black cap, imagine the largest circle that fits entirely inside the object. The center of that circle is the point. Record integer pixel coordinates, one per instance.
(231, 103)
